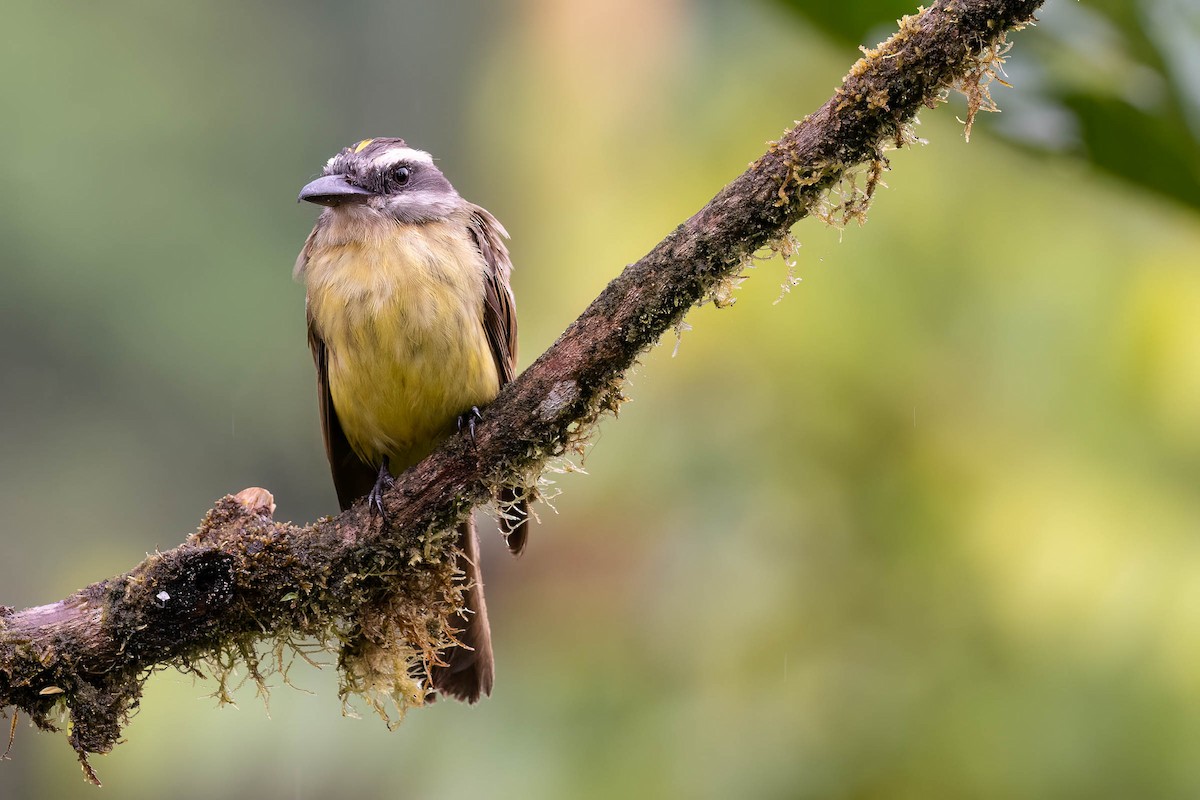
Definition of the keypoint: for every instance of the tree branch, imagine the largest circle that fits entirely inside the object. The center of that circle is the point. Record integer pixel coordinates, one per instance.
(380, 596)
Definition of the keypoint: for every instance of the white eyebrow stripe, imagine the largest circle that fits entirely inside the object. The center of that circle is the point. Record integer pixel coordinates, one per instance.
(399, 154)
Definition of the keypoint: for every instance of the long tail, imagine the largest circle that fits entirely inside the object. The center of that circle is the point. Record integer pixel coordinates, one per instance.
(470, 668)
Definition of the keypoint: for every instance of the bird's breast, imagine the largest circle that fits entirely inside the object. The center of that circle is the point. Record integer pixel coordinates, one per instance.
(401, 314)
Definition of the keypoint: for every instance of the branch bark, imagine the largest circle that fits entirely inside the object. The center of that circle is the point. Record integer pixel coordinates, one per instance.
(381, 595)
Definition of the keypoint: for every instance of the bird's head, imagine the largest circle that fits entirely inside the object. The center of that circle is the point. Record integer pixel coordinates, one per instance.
(386, 177)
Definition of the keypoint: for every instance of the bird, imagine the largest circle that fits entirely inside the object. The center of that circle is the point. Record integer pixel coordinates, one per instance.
(412, 327)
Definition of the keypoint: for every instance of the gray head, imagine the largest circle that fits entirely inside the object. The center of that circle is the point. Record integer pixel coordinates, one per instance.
(385, 176)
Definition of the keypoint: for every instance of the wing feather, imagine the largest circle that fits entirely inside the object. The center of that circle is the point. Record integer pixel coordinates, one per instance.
(500, 325)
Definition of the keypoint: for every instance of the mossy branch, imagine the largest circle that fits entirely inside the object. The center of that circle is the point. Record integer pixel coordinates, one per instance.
(380, 596)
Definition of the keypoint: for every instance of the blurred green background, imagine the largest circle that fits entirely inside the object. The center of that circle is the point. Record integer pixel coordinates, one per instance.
(927, 528)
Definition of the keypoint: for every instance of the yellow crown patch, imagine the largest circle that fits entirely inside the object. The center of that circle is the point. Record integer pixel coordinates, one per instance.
(358, 148)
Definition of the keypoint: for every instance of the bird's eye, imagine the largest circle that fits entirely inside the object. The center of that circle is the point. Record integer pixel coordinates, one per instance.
(400, 175)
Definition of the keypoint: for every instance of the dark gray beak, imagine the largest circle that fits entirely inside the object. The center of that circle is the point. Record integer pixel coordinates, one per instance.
(332, 190)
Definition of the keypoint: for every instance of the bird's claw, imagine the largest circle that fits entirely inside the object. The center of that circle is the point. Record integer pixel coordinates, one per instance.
(384, 482)
(469, 419)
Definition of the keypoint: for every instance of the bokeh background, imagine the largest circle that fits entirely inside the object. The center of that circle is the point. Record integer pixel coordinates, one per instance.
(928, 527)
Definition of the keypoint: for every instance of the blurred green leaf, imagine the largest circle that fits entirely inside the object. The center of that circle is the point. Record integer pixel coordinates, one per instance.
(1113, 82)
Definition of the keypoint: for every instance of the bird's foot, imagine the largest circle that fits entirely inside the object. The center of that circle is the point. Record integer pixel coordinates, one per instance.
(469, 420)
(384, 482)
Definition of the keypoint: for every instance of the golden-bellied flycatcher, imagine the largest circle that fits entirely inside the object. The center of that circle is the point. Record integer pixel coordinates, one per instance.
(412, 326)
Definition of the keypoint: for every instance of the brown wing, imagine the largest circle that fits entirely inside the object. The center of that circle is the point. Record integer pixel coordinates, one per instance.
(500, 324)
(499, 309)
(352, 477)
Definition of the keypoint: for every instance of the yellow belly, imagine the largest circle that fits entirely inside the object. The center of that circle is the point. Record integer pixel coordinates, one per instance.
(402, 320)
